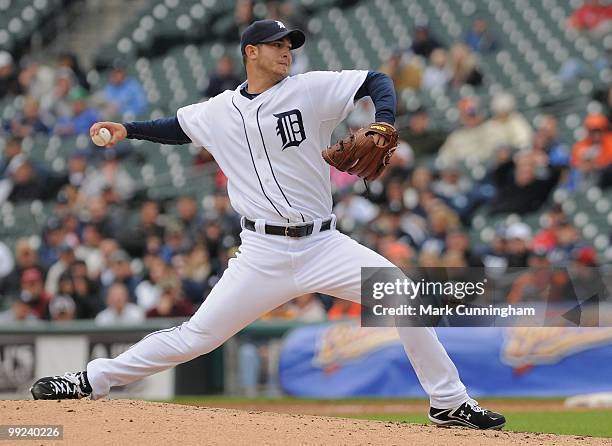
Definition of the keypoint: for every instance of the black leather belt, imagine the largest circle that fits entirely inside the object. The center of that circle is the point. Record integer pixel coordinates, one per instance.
(289, 231)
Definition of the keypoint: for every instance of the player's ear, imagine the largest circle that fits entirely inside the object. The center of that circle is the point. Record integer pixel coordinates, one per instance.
(251, 52)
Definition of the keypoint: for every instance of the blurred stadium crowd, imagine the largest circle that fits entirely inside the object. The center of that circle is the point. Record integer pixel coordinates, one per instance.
(487, 186)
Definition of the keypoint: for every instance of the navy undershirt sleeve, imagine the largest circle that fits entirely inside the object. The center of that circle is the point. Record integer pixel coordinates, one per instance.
(163, 130)
(380, 88)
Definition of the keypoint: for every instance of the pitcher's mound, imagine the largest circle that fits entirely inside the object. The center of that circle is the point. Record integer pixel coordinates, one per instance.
(124, 422)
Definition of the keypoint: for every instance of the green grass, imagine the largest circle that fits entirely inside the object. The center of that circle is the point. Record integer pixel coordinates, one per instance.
(596, 423)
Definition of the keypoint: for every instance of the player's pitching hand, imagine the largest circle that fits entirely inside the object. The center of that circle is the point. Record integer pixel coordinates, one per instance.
(117, 131)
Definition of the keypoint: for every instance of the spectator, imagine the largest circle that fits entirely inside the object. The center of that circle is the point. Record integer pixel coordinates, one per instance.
(473, 139)
(222, 213)
(243, 17)
(62, 308)
(188, 216)
(351, 210)
(197, 273)
(441, 219)
(400, 254)
(283, 312)
(134, 239)
(33, 293)
(518, 236)
(519, 189)
(171, 300)
(540, 283)
(124, 94)
(81, 117)
(35, 79)
(300, 63)
(149, 290)
(546, 142)
(99, 214)
(13, 155)
(52, 239)
(423, 140)
(28, 186)
(458, 241)
(308, 308)
(436, 75)
(594, 16)
(29, 122)
(19, 311)
(111, 177)
(74, 284)
(175, 241)
(69, 221)
(605, 98)
(202, 158)
(343, 309)
(56, 101)
(362, 114)
(405, 72)
(453, 187)
(87, 301)
(422, 179)
(89, 251)
(224, 78)
(66, 259)
(69, 60)
(586, 256)
(480, 39)
(567, 243)
(292, 14)
(77, 168)
(120, 271)
(546, 239)
(9, 83)
(596, 149)
(510, 125)
(119, 311)
(463, 67)
(423, 43)
(25, 258)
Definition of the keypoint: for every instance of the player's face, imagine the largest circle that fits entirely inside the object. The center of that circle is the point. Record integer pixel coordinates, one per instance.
(274, 58)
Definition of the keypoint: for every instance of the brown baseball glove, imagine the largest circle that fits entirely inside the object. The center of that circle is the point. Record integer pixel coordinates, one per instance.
(359, 155)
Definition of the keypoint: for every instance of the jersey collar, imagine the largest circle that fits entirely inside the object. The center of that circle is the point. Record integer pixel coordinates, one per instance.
(257, 98)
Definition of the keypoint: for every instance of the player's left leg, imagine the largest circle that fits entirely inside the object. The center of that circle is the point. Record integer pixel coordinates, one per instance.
(432, 365)
(258, 280)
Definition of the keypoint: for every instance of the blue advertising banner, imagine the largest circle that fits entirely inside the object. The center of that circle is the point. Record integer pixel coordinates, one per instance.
(346, 360)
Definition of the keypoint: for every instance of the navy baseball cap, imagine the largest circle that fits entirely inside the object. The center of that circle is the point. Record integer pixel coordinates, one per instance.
(265, 31)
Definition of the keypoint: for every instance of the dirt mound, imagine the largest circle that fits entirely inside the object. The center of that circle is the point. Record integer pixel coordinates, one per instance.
(378, 406)
(124, 422)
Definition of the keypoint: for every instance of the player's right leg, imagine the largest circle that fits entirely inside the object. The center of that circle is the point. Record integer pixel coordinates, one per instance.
(449, 400)
(257, 281)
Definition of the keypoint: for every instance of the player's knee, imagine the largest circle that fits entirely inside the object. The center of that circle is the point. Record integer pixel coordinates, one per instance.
(201, 341)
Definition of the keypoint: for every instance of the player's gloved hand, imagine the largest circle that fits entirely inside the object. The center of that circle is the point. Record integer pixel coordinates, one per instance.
(366, 152)
(117, 131)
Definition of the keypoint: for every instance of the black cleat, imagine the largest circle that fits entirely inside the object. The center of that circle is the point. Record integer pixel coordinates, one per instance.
(469, 414)
(69, 386)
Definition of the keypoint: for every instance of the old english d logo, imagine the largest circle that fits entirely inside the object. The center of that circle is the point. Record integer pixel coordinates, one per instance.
(290, 127)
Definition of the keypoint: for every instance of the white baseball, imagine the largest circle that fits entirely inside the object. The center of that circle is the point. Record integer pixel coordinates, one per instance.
(101, 138)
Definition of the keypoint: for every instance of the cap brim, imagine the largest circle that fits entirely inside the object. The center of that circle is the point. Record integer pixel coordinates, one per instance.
(296, 36)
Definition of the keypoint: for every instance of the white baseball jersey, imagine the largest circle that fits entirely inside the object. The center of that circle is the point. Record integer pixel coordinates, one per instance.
(269, 147)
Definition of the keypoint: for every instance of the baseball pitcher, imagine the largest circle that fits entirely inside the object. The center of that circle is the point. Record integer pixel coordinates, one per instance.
(267, 136)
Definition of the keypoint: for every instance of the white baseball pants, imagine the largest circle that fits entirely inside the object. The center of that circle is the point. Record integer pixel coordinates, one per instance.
(268, 271)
